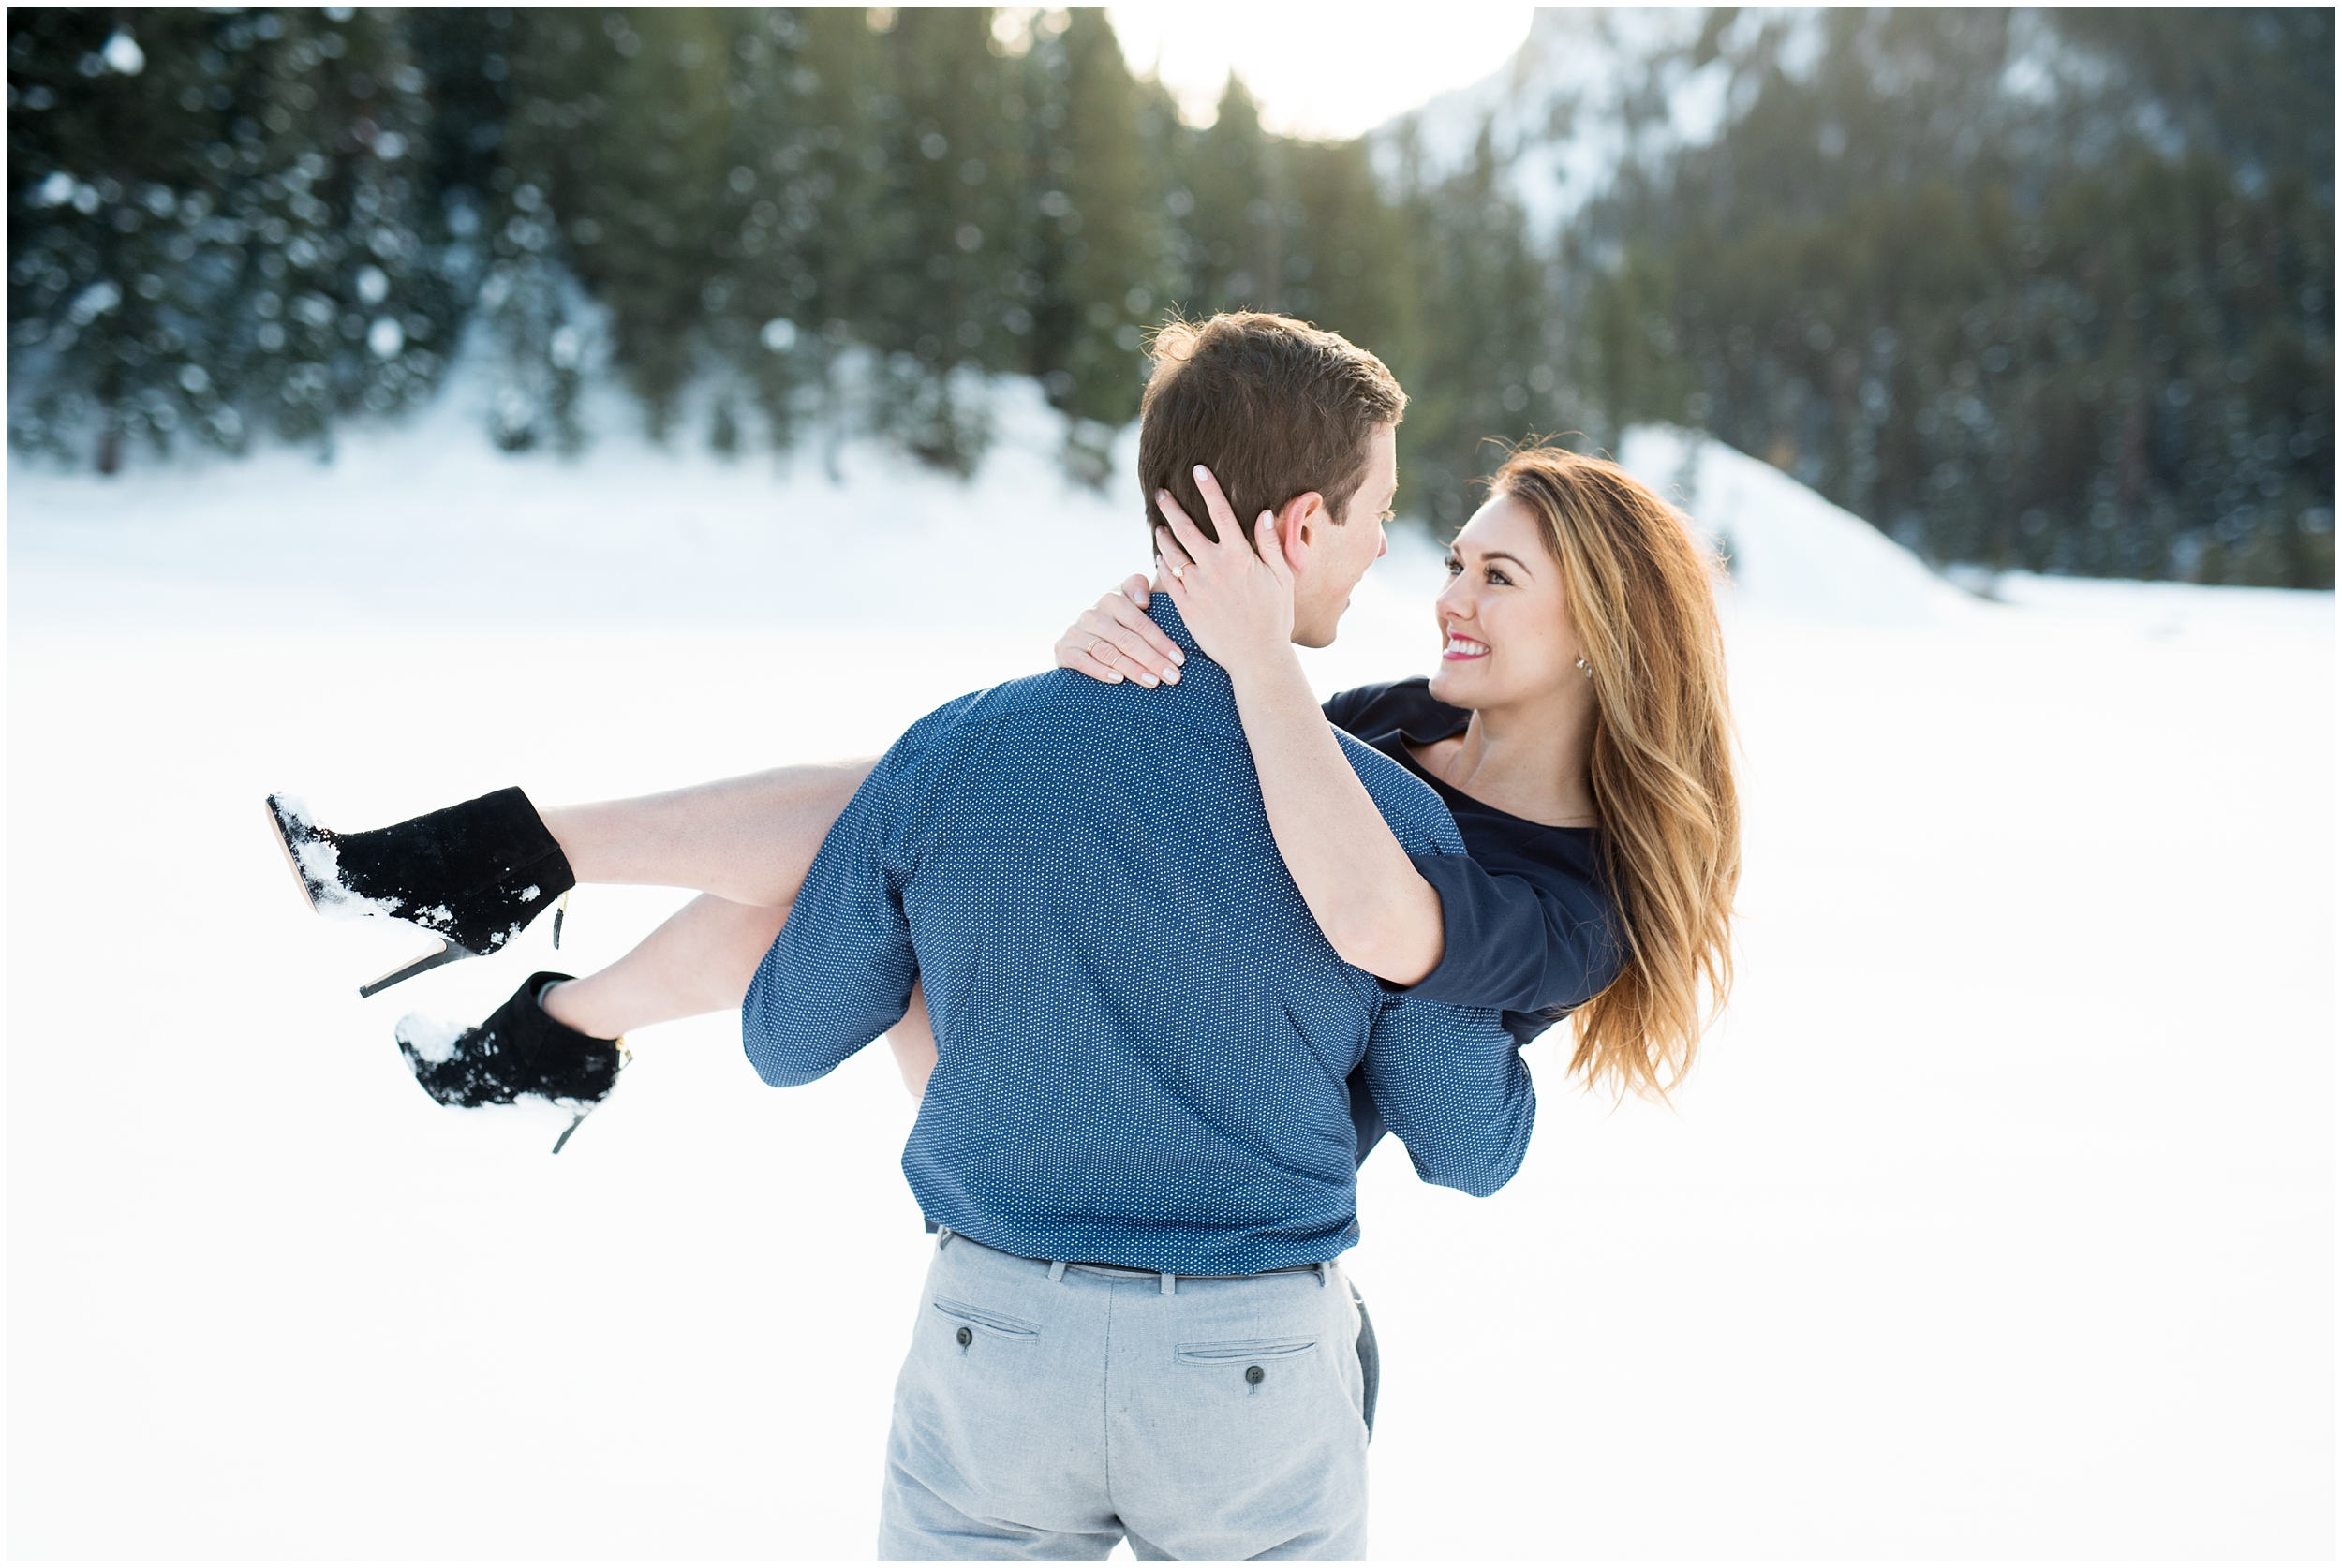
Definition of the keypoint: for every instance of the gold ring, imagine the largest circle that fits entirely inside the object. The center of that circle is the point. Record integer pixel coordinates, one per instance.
(1180, 573)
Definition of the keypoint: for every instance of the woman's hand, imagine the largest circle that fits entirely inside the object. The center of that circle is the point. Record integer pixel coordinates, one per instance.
(1114, 641)
(1237, 602)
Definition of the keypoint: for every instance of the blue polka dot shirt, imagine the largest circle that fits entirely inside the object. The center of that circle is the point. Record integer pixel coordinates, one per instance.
(1143, 1038)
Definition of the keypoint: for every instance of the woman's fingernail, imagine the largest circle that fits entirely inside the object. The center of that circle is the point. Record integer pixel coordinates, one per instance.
(1171, 677)
(1149, 681)
(1201, 471)
(1179, 655)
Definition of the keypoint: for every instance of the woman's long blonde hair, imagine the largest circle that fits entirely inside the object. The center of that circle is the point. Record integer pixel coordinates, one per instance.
(1640, 592)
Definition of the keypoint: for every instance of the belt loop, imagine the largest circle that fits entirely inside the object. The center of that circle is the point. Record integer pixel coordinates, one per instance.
(942, 1238)
(1057, 1271)
(1325, 1275)
(1170, 1284)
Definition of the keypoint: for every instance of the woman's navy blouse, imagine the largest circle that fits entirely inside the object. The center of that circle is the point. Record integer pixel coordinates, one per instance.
(1530, 928)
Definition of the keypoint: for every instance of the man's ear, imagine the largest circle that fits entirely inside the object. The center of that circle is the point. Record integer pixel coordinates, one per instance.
(1297, 522)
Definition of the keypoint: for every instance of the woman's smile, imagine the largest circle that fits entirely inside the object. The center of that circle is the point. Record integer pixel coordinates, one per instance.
(1462, 647)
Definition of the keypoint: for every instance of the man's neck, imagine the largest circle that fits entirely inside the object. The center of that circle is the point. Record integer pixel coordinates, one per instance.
(1165, 614)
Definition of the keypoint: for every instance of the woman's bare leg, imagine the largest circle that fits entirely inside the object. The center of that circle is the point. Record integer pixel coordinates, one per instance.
(748, 840)
(745, 844)
(701, 960)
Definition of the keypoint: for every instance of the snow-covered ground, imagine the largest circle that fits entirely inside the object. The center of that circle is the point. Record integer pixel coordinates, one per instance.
(1996, 1222)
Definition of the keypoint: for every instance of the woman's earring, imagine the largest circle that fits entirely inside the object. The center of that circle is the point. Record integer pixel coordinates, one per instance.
(1586, 667)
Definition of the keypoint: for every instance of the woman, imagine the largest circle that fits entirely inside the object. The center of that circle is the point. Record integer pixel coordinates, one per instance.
(1577, 727)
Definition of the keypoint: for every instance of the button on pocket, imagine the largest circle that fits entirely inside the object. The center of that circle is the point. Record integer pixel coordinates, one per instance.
(970, 1321)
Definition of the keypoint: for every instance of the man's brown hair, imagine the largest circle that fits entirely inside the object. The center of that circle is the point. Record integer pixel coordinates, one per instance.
(1273, 407)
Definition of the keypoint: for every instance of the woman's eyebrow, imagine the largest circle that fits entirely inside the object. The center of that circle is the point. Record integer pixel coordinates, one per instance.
(1507, 555)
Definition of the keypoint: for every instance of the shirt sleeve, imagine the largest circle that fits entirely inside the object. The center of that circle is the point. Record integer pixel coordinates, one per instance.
(840, 973)
(1450, 1083)
(1513, 944)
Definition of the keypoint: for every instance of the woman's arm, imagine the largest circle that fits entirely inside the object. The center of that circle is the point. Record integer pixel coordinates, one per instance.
(1367, 897)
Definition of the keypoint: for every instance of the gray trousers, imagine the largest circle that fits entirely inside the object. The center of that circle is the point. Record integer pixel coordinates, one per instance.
(1044, 1414)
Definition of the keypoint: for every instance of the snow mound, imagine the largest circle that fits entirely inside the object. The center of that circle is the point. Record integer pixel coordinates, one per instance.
(2162, 610)
(1791, 555)
(426, 525)
(424, 522)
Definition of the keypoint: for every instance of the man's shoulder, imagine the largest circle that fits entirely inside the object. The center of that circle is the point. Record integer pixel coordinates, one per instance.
(1038, 697)
(934, 728)
(975, 717)
(1045, 708)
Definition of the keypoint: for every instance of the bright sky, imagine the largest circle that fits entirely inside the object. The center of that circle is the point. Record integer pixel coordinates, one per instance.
(1321, 69)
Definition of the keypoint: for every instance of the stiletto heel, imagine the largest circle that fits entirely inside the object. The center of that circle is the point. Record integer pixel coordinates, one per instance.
(447, 954)
(473, 875)
(575, 1122)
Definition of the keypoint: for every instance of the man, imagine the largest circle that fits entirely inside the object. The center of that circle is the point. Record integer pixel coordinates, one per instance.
(1136, 1144)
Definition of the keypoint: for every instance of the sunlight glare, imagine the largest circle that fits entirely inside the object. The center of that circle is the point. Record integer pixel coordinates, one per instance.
(1318, 70)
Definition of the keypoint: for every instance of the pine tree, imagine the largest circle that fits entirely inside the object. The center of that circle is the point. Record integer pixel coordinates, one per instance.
(2086, 328)
(615, 154)
(948, 216)
(786, 253)
(502, 243)
(217, 223)
(1480, 368)
(1100, 240)
(111, 319)
(804, 243)
(1346, 249)
(1227, 220)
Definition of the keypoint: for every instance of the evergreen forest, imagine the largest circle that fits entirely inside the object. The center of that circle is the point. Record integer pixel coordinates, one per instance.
(2029, 290)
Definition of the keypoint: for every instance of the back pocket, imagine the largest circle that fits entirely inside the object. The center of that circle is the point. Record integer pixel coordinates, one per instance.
(1223, 1352)
(996, 1325)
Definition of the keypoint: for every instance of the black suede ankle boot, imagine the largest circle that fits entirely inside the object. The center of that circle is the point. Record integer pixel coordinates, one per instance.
(472, 875)
(520, 1050)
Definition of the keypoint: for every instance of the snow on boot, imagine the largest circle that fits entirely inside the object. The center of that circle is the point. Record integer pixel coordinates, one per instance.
(521, 1050)
(472, 875)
